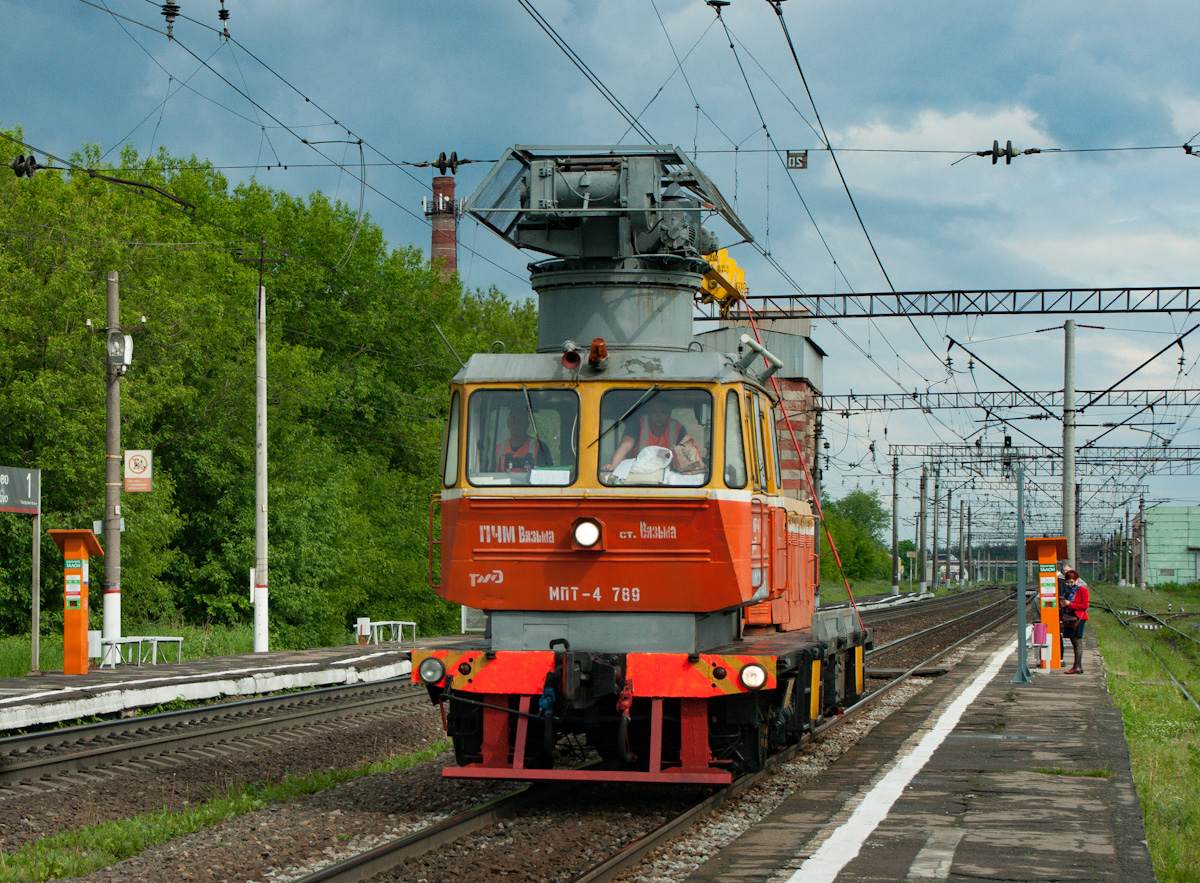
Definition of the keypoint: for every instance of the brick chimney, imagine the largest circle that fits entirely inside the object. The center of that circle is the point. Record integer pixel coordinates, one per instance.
(443, 214)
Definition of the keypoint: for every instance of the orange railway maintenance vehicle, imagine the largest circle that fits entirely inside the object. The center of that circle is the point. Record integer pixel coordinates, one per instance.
(615, 507)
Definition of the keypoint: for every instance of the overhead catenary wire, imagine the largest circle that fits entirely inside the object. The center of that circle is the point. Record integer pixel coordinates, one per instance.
(329, 160)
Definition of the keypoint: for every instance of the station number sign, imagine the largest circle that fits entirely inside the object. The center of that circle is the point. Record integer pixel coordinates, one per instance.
(20, 490)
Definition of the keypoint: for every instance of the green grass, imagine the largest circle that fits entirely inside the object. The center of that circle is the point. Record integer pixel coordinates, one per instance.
(1059, 771)
(82, 851)
(15, 654)
(199, 642)
(1161, 727)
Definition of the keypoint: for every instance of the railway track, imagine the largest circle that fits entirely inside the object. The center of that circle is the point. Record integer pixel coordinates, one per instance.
(982, 613)
(534, 808)
(36, 760)
(1131, 618)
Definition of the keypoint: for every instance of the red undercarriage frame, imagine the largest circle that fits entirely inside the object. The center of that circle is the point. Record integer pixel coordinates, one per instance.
(503, 757)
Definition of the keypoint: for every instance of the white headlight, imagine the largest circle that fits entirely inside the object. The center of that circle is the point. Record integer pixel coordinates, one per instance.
(753, 676)
(431, 670)
(587, 533)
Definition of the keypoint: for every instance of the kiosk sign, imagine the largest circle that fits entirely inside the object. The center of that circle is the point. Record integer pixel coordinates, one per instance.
(1048, 584)
(20, 490)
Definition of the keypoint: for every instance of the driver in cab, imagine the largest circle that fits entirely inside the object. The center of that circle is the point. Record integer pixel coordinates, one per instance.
(653, 426)
(521, 452)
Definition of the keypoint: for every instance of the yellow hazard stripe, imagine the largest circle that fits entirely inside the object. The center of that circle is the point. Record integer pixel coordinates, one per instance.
(814, 710)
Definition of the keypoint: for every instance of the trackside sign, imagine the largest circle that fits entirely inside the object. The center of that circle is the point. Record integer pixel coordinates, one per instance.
(20, 490)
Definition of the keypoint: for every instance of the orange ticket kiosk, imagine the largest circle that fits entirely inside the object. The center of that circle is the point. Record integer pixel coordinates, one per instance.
(76, 547)
(1047, 552)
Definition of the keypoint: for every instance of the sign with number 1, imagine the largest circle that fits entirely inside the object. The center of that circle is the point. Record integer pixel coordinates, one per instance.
(19, 490)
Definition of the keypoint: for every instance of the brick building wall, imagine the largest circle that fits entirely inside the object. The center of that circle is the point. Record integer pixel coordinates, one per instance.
(801, 402)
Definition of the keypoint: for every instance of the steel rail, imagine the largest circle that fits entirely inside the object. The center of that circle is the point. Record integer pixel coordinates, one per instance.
(912, 608)
(1143, 612)
(863, 703)
(266, 720)
(387, 856)
(629, 855)
(383, 858)
(1182, 689)
(899, 642)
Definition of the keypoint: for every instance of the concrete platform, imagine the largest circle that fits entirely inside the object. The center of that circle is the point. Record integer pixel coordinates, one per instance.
(52, 697)
(966, 782)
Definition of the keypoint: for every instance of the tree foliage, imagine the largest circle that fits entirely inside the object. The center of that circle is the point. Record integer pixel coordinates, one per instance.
(357, 392)
(857, 522)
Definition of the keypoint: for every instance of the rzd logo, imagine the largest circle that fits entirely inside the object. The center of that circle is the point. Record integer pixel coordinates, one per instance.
(495, 576)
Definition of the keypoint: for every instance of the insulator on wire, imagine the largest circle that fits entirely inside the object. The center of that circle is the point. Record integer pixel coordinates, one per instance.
(25, 166)
(441, 163)
(223, 15)
(169, 12)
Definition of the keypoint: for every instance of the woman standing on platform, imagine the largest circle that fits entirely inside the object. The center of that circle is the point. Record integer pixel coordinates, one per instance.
(1066, 592)
(1077, 607)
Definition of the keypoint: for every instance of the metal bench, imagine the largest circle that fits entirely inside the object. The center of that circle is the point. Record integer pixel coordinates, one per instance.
(379, 631)
(159, 640)
(137, 650)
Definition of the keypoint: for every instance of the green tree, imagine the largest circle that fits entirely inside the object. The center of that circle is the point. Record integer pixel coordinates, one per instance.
(357, 383)
(856, 522)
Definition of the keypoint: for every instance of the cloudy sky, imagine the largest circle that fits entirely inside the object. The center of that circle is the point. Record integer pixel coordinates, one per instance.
(904, 93)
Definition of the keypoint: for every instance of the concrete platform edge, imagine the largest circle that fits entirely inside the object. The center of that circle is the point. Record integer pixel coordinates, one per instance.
(113, 701)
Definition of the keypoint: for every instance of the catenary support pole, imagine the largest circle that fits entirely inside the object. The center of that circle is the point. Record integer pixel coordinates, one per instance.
(1079, 546)
(895, 526)
(970, 572)
(922, 528)
(35, 667)
(1068, 440)
(261, 594)
(111, 625)
(261, 633)
(962, 551)
(1126, 553)
(1141, 570)
(949, 533)
(933, 581)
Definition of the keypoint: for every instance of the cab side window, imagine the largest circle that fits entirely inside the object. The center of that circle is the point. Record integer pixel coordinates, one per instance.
(758, 431)
(450, 444)
(735, 446)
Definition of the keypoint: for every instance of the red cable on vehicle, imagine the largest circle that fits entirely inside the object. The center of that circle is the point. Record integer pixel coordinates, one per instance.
(808, 477)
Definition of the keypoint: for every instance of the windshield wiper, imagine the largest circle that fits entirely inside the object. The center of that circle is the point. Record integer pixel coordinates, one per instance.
(646, 396)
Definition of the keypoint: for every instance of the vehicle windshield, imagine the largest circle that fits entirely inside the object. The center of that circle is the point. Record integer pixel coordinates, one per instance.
(655, 436)
(522, 437)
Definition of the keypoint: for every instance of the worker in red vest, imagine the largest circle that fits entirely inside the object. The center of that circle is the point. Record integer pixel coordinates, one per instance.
(654, 426)
(520, 452)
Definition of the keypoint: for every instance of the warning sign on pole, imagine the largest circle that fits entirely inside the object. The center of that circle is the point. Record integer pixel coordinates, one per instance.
(139, 470)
